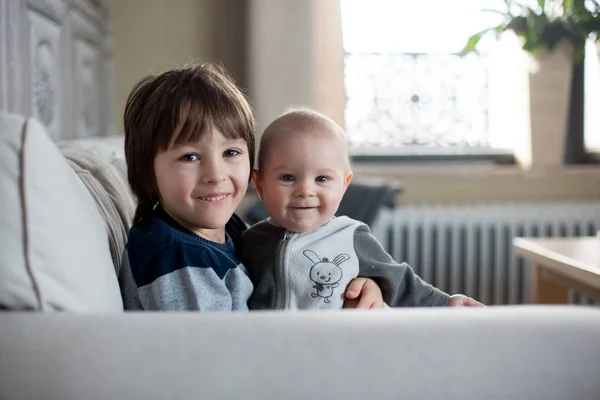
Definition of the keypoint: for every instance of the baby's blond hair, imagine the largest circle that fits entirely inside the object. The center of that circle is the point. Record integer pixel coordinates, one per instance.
(299, 120)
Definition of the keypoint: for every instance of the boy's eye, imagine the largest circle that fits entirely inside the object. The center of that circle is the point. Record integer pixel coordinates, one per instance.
(287, 178)
(232, 153)
(322, 179)
(190, 157)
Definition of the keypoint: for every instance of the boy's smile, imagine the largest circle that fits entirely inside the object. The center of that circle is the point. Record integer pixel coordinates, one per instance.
(214, 198)
(201, 184)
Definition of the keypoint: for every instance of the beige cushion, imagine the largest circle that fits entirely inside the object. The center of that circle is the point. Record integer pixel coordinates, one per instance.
(109, 149)
(98, 168)
(54, 252)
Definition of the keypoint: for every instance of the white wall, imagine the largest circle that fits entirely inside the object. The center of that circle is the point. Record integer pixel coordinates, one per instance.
(295, 58)
(281, 56)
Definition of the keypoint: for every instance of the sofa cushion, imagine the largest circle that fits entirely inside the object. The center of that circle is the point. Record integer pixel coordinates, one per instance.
(54, 252)
(97, 162)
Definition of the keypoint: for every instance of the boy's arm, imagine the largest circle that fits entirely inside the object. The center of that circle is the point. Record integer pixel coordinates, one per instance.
(400, 286)
(364, 293)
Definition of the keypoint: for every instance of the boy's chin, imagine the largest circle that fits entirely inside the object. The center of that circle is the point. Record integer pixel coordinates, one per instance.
(216, 224)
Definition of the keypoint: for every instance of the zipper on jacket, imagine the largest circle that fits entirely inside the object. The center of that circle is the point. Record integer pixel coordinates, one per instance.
(280, 270)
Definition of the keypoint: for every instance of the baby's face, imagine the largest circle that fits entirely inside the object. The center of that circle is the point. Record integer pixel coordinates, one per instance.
(303, 180)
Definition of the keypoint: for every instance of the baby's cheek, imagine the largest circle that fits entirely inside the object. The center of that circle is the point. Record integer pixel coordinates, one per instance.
(273, 199)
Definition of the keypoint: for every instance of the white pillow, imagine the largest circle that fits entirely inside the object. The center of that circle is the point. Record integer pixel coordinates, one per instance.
(54, 252)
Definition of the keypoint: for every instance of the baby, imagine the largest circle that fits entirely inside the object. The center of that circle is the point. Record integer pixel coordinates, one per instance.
(303, 257)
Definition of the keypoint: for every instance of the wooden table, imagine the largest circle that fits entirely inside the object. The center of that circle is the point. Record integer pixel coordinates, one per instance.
(560, 264)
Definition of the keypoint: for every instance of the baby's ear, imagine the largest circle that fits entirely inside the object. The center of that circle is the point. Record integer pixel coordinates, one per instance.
(257, 183)
(347, 179)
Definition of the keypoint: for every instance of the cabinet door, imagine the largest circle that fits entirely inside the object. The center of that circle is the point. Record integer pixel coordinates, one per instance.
(55, 64)
(45, 74)
(90, 61)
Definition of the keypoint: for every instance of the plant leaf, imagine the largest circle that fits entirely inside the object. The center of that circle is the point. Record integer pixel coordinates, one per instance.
(567, 6)
(473, 41)
(504, 14)
(542, 4)
(539, 27)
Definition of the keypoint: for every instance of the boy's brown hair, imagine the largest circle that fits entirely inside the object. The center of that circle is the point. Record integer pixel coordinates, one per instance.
(195, 97)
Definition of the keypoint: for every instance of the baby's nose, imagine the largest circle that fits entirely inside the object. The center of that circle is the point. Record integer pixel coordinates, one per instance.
(304, 189)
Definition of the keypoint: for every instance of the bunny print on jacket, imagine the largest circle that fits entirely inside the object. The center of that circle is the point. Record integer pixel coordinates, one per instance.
(325, 274)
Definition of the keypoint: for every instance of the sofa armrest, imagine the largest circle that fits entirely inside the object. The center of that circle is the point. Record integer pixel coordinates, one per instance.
(522, 352)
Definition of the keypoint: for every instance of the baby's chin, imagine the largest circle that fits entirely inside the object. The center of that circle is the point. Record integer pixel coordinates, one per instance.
(295, 227)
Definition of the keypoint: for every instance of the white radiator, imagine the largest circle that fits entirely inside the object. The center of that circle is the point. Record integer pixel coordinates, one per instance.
(467, 249)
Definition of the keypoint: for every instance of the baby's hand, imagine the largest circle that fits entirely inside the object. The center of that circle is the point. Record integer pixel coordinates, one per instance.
(364, 293)
(460, 300)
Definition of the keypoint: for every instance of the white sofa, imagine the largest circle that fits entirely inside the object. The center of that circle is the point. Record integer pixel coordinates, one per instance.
(57, 249)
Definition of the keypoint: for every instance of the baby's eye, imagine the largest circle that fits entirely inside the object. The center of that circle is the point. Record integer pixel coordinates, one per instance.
(322, 179)
(232, 153)
(287, 178)
(190, 157)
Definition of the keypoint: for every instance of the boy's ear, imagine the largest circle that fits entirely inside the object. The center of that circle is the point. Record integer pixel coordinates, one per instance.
(347, 179)
(257, 183)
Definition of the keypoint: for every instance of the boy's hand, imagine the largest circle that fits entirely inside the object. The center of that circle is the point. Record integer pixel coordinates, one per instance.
(364, 293)
(460, 300)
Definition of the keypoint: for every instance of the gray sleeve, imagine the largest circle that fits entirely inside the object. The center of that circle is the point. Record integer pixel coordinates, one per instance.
(400, 286)
(195, 289)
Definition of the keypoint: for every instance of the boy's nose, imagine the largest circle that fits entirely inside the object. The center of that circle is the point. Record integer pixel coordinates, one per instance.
(213, 171)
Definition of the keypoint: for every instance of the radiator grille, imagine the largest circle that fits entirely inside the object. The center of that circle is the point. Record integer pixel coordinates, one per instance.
(468, 249)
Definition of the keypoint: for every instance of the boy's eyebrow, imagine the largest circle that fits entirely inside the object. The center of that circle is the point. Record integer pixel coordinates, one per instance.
(237, 140)
(175, 146)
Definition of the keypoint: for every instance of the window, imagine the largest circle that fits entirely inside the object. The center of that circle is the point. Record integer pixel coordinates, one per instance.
(409, 92)
(592, 97)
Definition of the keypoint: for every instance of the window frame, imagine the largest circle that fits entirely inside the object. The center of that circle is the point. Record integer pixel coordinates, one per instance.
(575, 149)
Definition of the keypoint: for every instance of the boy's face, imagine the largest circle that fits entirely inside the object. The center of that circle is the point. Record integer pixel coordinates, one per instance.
(303, 179)
(201, 184)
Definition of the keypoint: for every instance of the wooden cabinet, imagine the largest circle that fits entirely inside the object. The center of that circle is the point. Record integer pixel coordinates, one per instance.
(56, 64)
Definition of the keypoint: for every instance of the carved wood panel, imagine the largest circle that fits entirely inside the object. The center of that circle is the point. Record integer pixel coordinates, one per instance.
(45, 80)
(3, 56)
(55, 58)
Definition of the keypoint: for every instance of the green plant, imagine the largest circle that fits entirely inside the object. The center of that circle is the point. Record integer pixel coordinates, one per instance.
(545, 24)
